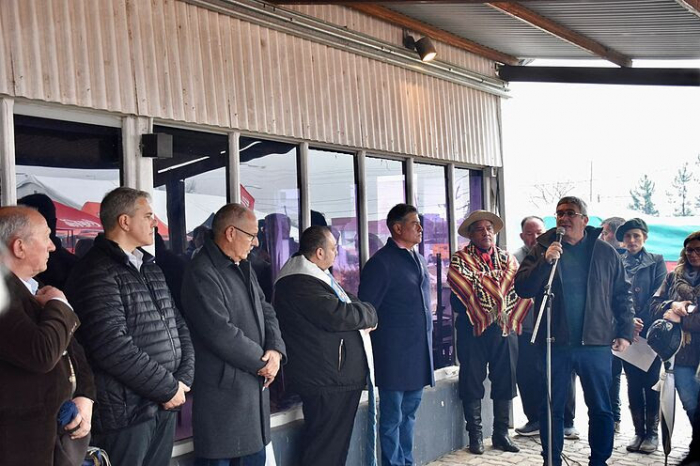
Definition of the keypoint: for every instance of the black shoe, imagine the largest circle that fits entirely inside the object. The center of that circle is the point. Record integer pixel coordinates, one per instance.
(476, 444)
(504, 443)
(501, 419)
(472, 416)
(529, 430)
(639, 431)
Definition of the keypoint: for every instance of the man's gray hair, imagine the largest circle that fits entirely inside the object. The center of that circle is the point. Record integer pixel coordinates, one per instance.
(230, 214)
(118, 202)
(613, 222)
(15, 223)
(577, 201)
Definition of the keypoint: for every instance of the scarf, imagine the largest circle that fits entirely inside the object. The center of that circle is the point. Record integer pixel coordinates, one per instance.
(300, 265)
(632, 263)
(486, 289)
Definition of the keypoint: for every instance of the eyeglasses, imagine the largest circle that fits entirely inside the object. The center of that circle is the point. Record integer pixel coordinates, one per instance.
(692, 250)
(251, 236)
(567, 213)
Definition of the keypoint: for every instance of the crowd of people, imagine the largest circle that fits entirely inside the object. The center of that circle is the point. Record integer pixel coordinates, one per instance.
(102, 351)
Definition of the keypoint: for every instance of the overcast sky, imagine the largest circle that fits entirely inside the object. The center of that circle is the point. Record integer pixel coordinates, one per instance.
(554, 132)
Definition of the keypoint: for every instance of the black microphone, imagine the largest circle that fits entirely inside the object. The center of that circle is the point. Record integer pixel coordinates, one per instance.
(561, 231)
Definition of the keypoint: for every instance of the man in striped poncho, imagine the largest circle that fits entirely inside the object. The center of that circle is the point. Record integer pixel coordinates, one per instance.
(489, 313)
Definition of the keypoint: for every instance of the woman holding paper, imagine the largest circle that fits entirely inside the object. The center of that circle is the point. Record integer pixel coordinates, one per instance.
(646, 271)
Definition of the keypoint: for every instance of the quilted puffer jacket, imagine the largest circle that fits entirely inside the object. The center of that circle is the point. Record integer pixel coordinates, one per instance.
(136, 340)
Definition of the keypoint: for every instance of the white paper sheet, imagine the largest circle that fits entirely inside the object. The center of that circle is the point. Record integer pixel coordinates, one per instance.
(638, 354)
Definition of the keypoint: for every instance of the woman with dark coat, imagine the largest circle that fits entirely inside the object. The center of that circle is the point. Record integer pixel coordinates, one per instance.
(676, 301)
(646, 271)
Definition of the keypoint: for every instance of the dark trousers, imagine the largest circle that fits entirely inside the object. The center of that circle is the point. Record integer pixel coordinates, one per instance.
(530, 374)
(593, 366)
(641, 397)
(490, 349)
(147, 444)
(328, 422)
(254, 459)
(615, 402)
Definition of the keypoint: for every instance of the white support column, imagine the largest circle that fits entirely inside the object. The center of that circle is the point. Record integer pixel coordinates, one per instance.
(138, 170)
(304, 201)
(234, 166)
(362, 222)
(451, 207)
(8, 175)
(410, 189)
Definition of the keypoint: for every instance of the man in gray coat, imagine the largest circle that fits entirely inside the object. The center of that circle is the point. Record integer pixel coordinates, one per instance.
(237, 341)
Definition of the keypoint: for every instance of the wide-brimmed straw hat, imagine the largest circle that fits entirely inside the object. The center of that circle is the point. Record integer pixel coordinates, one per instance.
(476, 216)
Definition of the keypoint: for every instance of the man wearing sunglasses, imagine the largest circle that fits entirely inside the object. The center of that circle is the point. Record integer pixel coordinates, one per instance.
(238, 344)
(591, 310)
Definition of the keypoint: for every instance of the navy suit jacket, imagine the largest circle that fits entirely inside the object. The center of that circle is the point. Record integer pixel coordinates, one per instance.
(399, 289)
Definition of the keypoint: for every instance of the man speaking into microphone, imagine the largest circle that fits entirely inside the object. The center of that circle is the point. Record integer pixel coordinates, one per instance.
(591, 310)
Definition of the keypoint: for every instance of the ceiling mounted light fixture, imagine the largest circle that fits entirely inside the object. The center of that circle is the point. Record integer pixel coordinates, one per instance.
(425, 48)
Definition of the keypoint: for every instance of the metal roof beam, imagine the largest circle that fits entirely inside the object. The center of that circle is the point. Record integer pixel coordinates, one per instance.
(434, 33)
(534, 19)
(691, 5)
(589, 75)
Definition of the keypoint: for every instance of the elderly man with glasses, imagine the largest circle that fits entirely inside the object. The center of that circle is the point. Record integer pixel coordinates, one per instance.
(591, 310)
(238, 344)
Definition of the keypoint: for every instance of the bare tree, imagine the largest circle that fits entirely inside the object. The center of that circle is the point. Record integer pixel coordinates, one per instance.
(548, 193)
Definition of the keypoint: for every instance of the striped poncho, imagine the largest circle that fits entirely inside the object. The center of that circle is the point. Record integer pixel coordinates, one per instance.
(487, 291)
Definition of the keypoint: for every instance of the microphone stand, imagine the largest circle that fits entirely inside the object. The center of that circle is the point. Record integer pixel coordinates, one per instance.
(546, 306)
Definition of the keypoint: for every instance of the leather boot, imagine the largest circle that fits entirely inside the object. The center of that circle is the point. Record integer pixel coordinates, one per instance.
(639, 432)
(501, 419)
(651, 441)
(472, 416)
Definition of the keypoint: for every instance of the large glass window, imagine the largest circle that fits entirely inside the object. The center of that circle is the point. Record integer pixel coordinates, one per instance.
(333, 200)
(269, 186)
(189, 188)
(385, 187)
(467, 196)
(75, 165)
(431, 200)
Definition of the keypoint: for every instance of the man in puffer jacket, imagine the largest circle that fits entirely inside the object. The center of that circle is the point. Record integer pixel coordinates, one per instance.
(135, 338)
(321, 327)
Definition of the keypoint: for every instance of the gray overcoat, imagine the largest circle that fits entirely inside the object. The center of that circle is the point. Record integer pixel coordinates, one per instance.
(231, 326)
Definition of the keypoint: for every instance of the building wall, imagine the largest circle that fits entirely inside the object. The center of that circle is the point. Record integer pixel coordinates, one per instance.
(439, 429)
(195, 63)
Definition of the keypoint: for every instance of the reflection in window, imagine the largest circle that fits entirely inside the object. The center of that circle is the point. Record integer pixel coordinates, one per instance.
(467, 196)
(333, 199)
(431, 201)
(385, 182)
(75, 165)
(189, 188)
(270, 188)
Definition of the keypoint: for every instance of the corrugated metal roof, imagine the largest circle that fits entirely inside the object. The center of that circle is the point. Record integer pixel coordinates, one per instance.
(640, 29)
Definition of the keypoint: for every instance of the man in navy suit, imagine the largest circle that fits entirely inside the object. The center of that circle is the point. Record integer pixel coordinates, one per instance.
(396, 282)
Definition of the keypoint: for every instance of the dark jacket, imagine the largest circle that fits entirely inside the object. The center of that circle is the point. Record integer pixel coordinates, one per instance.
(136, 341)
(232, 326)
(645, 281)
(61, 262)
(608, 311)
(321, 333)
(34, 372)
(689, 354)
(399, 289)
